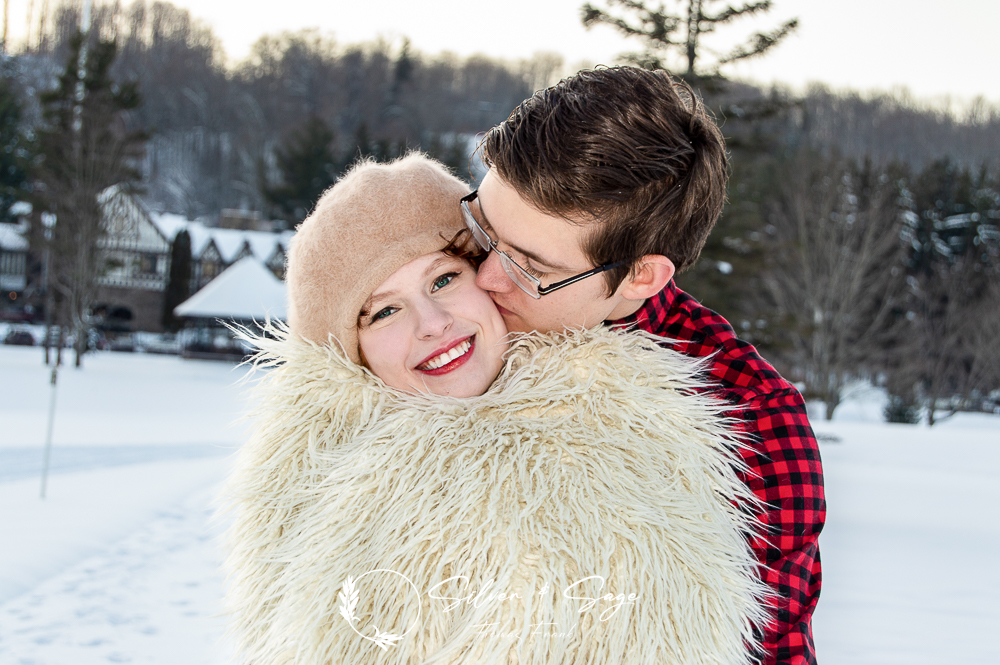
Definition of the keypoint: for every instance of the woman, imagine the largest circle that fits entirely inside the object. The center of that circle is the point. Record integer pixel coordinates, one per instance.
(411, 494)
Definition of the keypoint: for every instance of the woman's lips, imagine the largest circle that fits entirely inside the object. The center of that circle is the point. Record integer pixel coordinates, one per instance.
(454, 363)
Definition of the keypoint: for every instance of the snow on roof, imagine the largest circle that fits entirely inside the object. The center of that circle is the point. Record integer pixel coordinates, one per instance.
(170, 224)
(21, 208)
(11, 239)
(262, 243)
(243, 291)
(229, 242)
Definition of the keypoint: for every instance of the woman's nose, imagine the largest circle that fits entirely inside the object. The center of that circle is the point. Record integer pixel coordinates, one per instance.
(492, 277)
(435, 319)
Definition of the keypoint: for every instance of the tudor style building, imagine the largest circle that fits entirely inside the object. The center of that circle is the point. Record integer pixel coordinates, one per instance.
(136, 259)
(13, 265)
(136, 256)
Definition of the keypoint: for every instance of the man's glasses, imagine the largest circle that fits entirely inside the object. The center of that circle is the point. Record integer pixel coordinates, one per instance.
(524, 280)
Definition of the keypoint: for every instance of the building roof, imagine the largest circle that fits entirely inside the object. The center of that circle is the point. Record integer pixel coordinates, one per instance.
(128, 223)
(244, 291)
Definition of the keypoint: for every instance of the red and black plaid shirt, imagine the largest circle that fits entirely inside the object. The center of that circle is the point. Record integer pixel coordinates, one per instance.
(783, 457)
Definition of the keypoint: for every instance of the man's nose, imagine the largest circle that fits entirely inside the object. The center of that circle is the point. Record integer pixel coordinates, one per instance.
(492, 276)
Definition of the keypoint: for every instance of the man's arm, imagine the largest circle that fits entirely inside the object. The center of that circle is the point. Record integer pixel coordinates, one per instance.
(786, 473)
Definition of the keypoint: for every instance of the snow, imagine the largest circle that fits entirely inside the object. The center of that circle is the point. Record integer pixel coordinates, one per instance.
(909, 548)
(245, 290)
(11, 238)
(230, 243)
(120, 562)
(170, 225)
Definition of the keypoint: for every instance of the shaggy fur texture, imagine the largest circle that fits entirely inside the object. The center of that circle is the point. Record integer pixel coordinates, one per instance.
(377, 218)
(592, 455)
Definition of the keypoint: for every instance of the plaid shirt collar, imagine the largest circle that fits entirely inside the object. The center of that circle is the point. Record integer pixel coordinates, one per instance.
(652, 316)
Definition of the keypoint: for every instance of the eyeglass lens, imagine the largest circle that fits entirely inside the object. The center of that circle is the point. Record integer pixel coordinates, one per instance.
(517, 274)
(514, 271)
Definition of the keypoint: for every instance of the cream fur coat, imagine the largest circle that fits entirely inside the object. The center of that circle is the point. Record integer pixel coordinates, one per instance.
(586, 509)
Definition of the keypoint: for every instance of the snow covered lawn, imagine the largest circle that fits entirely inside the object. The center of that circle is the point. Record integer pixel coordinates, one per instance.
(909, 551)
(120, 562)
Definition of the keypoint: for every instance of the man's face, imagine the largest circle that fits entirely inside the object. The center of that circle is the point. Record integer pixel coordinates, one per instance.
(550, 248)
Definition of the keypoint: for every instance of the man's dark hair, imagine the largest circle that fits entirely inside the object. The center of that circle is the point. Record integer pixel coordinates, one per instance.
(632, 149)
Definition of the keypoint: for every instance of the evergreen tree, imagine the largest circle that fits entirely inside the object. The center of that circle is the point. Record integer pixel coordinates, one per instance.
(308, 166)
(726, 277)
(179, 282)
(950, 350)
(14, 150)
(665, 34)
(404, 68)
(86, 145)
(452, 152)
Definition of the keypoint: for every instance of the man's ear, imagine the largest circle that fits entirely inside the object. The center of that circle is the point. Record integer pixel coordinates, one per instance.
(653, 273)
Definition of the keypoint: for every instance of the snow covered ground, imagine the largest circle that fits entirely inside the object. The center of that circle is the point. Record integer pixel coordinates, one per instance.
(120, 562)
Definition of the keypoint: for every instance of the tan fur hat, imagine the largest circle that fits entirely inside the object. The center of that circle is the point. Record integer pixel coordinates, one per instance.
(376, 219)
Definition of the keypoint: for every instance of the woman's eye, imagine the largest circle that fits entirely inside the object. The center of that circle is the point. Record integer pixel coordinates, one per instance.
(444, 280)
(382, 313)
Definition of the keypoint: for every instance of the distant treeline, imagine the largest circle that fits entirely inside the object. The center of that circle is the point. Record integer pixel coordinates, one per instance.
(214, 131)
(860, 238)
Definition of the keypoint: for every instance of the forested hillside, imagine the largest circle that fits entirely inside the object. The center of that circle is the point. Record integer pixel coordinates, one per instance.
(860, 238)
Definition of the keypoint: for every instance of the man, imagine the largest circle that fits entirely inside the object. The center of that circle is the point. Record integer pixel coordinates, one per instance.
(600, 189)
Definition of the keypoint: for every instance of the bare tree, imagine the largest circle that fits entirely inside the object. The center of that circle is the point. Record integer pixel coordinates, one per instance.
(86, 146)
(836, 266)
(954, 348)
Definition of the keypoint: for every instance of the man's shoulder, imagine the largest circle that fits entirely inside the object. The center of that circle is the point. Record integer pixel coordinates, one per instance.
(693, 329)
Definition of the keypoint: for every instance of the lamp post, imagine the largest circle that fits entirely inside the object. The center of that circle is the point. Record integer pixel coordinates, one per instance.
(49, 222)
(80, 94)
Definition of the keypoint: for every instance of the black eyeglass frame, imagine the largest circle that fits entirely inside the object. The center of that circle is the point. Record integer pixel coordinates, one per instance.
(474, 226)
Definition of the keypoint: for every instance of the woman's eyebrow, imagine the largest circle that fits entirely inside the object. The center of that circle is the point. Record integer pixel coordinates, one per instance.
(388, 295)
(435, 264)
(377, 298)
(520, 250)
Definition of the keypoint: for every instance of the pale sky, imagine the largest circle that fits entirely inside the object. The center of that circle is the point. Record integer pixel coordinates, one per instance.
(936, 48)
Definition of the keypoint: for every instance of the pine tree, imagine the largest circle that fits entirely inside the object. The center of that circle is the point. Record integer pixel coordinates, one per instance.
(726, 276)
(665, 34)
(179, 282)
(952, 346)
(14, 150)
(308, 166)
(86, 145)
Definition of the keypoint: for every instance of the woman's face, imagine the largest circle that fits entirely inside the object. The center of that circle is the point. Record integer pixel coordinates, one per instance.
(428, 328)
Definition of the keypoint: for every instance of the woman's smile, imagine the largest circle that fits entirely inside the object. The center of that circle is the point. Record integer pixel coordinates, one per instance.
(450, 359)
